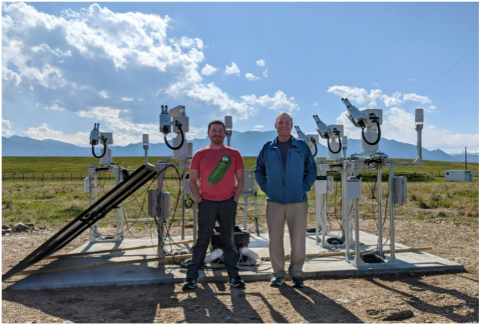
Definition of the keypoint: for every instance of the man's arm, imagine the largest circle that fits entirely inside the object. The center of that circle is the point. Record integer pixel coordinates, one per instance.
(240, 183)
(310, 170)
(194, 185)
(260, 172)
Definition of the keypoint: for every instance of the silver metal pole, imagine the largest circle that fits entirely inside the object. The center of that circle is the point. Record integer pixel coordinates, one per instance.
(380, 222)
(256, 217)
(184, 169)
(195, 229)
(357, 225)
(161, 248)
(392, 212)
(245, 212)
(318, 207)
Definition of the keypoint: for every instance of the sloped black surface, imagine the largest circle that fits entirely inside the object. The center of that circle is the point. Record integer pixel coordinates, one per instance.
(94, 213)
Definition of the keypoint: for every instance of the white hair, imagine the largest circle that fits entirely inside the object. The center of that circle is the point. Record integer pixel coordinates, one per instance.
(283, 114)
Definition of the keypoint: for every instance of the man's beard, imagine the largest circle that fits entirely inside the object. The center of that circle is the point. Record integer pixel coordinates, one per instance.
(217, 140)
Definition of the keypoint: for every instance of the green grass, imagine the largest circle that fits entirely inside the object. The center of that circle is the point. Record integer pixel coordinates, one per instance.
(38, 168)
(52, 202)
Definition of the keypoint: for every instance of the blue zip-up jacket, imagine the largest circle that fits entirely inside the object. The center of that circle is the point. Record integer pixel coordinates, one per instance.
(290, 185)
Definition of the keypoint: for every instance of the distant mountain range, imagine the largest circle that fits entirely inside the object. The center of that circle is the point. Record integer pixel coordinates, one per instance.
(248, 143)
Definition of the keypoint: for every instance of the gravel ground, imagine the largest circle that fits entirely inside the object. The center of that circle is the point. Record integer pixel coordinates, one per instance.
(448, 297)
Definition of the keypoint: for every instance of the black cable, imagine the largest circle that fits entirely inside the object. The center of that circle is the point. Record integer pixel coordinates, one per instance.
(181, 132)
(379, 132)
(339, 143)
(104, 149)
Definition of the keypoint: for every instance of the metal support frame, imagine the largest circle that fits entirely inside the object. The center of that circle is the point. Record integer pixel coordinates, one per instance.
(120, 211)
(321, 208)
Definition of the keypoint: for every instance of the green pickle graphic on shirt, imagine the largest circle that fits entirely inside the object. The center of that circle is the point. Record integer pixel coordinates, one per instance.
(219, 172)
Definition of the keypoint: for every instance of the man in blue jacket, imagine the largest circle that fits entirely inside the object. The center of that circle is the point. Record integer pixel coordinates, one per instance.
(286, 171)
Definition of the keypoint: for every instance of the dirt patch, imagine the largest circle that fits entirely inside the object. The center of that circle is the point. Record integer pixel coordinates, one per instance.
(431, 297)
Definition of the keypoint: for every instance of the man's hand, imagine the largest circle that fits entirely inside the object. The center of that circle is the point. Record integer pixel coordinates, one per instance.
(240, 182)
(236, 199)
(194, 185)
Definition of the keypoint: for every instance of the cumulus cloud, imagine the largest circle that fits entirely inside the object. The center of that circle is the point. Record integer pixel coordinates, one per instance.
(415, 97)
(315, 104)
(208, 70)
(357, 95)
(103, 94)
(258, 126)
(431, 109)
(232, 69)
(278, 102)
(391, 101)
(94, 56)
(124, 131)
(251, 77)
(261, 62)
(265, 73)
(7, 128)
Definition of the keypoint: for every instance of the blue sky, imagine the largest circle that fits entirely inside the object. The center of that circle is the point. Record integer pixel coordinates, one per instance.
(69, 65)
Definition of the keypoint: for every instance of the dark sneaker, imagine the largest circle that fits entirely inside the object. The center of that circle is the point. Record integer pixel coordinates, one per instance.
(297, 282)
(189, 284)
(237, 282)
(277, 281)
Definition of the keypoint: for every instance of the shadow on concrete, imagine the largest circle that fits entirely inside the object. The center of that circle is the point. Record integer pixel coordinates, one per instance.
(447, 311)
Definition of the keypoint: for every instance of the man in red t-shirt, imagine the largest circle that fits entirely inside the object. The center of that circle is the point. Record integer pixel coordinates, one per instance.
(217, 165)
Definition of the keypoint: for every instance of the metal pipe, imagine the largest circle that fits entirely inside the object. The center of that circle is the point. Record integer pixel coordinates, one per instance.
(195, 229)
(245, 212)
(391, 184)
(380, 222)
(183, 201)
(256, 217)
(357, 226)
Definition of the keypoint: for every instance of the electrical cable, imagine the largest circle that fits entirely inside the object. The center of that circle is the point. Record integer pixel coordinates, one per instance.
(104, 149)
(181, 132)
(339, 143)
(376, 120)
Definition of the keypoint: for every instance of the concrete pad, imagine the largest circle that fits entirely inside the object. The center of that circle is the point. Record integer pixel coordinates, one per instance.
(152, 272)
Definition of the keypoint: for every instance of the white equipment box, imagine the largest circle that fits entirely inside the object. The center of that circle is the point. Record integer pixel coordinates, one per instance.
(321, 185)
(459, 175)
(86, 184)
(400, 190)
(354, 187)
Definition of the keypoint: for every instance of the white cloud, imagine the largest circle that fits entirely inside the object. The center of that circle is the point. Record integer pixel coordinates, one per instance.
(124, 131)
(251, 77)
(357, 95)
(232, 69)
(196, 132)
(376, 84)
(391, 101)
(258, 126)
(265, 73)
(186, 42)
(208, 70)
(415, 97)
(7, 128)
(277, 102)
(410, 79)
(213, 95)
(431, 109)
(45, 132)
(109, 55)
(315, 104)
(261, 62)
(126, 99)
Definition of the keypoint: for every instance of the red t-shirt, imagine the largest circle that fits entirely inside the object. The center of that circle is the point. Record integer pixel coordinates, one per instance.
(217, 169)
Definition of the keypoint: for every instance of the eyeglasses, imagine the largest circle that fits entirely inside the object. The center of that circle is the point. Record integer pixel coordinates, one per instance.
(220, 132)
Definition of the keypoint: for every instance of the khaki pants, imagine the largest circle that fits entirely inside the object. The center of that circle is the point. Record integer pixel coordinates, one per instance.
(296, 217)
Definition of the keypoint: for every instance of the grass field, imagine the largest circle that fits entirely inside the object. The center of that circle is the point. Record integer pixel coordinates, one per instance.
(38, 168)
(52, 202)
